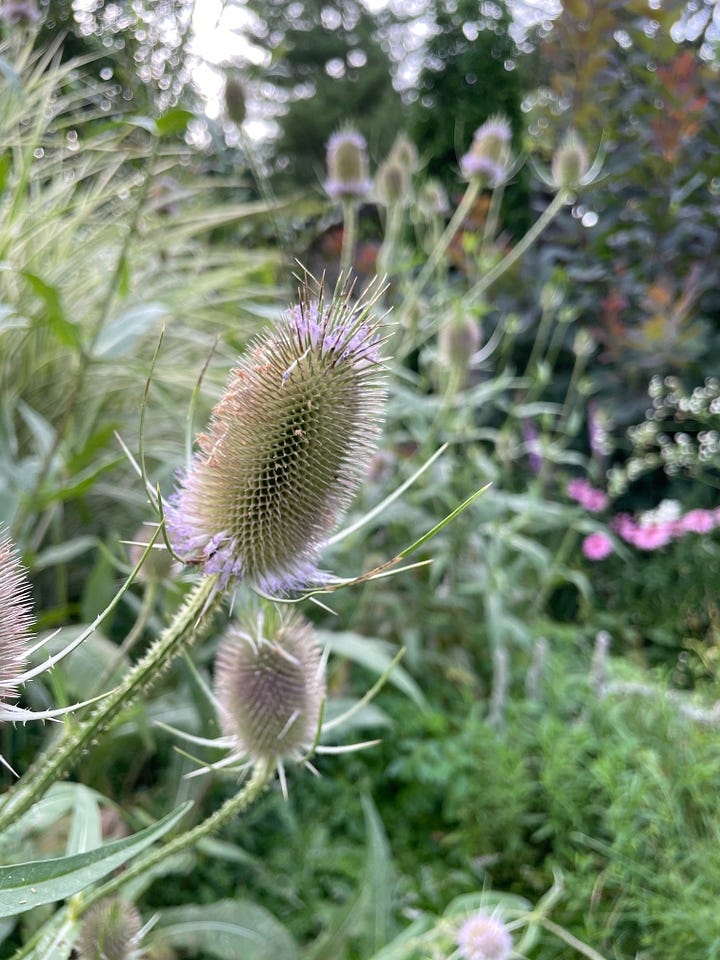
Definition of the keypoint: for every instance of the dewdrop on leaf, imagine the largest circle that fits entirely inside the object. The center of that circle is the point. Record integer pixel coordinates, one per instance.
(269, 686)
(286, 448)
(347, 165)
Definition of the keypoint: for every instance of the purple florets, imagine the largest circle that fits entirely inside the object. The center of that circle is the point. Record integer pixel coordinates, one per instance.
(285, 450)
(347, 164)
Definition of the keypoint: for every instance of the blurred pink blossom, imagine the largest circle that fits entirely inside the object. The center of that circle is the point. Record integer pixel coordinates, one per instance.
(597, 546)
(696, 521)
(586, 495)
(652, 536)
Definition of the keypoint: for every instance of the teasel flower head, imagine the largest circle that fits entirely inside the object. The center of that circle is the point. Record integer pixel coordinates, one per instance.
(404, 153)
(16, 620)
(22, 13)
(111, 930)
(286, 447)
(347, 166)
(392, 184)
(458, 340)
(488, 158)
(269, 686)
(484, 936)
(570, 163)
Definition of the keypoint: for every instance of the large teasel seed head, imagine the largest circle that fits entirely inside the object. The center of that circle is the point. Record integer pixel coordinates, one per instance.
(269, 685)
(286, 447)
(16, 619)
(110, 931)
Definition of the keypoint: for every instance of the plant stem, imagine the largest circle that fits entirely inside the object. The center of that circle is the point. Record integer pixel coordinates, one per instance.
(349, 237)
(192, 619)
(546, 217)
(231, 808)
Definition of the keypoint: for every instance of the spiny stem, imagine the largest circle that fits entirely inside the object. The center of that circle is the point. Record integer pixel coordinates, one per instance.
(191, 620)
(549, 214)
(231, 808)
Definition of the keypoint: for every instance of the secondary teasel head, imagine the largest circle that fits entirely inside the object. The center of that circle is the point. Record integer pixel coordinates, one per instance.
(16, 619)
(347, 165)
(269, 686)
(110, 931)
(286, 447)
(488, 158)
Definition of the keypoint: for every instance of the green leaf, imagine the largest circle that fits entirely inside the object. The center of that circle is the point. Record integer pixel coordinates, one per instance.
(228, 929)
(65, 331)
(86, 827)
(24, 886)
(121, 336)
(174, 121)
(376, 655)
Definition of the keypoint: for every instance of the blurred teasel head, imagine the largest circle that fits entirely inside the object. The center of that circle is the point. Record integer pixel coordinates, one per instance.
(23, 13)
(16, 619)
(235, 104)
(270, 685)
(110, 931)
(287, 446)
(347, 166)
(404, 153)
(392, 184)
(488, 158)
(484, 937)
(570, 163)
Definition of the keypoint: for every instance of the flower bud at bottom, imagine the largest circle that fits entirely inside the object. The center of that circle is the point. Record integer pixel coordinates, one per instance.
(110, 931)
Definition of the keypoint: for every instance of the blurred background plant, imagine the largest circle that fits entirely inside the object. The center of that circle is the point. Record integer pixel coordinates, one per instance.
(553, 725)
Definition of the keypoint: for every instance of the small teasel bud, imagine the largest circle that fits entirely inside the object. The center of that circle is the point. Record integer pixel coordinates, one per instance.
(432, 199)
(286, 447)
(269, 685)
(458, 340)
(235, 104)
(110, 931)
(489, 155)
(347, 164)
(570, 163)
(404, 153)
(392, 184)
(484, 937)
(22, 13)
(16, 619)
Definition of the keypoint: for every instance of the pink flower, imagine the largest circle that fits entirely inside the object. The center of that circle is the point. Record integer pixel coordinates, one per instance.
(625, 527)
(586, 495)
(697, 521)
(597, 546)
(653, 536)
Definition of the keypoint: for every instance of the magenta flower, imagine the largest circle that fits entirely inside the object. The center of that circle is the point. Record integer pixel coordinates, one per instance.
(652, 536)
(696, 521)
(597, 546)
(586, 495)
(286, 448)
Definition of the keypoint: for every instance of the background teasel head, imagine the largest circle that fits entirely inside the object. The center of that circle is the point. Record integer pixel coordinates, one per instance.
(347, 166)
(488, 158)
(110, 931)
(16, 619)
(286, 447)
(269, 686)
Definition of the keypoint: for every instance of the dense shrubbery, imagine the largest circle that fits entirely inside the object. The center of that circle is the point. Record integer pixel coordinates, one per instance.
(548, 754)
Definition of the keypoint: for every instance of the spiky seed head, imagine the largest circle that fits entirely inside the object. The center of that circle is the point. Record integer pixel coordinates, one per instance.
(570, 163)
(347, 165)
(269, 685)
(404, 153)
(286, 447)
(392, 184)
(110, 931)
(16, 619)
(484, 937)
(235, 104)
(488, 158)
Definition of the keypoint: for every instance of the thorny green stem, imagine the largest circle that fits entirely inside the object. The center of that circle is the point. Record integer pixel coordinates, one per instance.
(350, 218)
(148, 602)
(192, 620)
(232, 807)
(545, 218)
